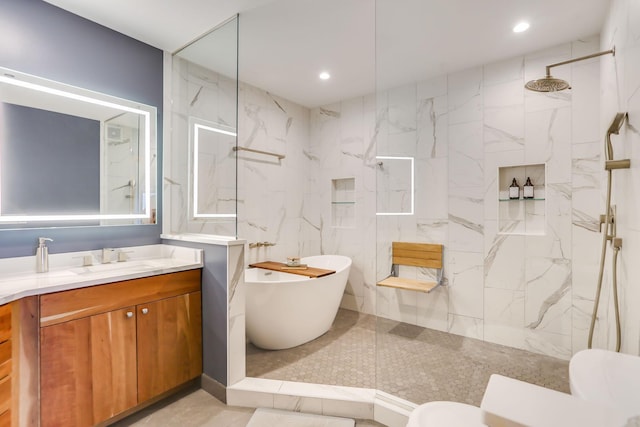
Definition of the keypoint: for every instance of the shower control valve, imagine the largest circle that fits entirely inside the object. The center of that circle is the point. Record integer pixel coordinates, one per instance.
(603, 219)
(617, 242)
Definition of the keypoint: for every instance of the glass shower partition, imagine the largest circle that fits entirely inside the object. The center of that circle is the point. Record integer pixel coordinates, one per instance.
(504, 306)
(205, 127)
(411, 207)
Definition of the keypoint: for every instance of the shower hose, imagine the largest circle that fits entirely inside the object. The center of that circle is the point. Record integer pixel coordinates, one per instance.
(616, 249)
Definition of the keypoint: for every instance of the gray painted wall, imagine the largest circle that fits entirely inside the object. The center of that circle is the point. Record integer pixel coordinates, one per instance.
(39, 144)
(214, 309)
(41, 39)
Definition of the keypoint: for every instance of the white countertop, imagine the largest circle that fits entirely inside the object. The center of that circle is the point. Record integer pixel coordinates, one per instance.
(18, 278)
(207, 239)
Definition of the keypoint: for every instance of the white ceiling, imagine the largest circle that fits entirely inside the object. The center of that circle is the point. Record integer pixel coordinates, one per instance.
(284, 44)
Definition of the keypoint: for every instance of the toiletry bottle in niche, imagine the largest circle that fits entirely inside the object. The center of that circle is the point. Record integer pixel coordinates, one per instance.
(514, 190)
(527, 189)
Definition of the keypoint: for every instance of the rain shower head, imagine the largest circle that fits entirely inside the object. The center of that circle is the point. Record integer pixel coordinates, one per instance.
(551, 84)
(547, 84)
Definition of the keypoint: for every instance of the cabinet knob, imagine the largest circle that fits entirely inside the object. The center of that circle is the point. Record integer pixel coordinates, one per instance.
(145, 310)
(129, 314)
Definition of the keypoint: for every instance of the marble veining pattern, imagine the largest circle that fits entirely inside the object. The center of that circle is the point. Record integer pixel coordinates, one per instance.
(551, 300)
(532, 291)
(236, 314)
(619, 89)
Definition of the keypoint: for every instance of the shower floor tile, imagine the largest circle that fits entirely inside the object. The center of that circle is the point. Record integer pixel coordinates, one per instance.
(413, 363)
(345, 355)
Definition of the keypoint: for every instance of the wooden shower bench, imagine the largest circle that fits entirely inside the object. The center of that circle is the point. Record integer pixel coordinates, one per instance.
(426, 255)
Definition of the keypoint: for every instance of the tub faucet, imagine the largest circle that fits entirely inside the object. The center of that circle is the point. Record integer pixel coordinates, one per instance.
(260, 244)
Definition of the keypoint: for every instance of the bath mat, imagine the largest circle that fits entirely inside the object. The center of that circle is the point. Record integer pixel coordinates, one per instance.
(264, 417)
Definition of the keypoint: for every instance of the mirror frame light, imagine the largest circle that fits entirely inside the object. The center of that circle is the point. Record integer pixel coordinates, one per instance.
(51, 87)
(411, 159)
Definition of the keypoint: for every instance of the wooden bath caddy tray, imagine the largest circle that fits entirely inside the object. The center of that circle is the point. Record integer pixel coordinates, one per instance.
(279, 266)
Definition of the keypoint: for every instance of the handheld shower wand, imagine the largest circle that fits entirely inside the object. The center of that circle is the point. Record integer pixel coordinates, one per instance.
(608, 219)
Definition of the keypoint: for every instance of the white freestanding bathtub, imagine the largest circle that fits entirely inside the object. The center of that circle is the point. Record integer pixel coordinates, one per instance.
(285, 310)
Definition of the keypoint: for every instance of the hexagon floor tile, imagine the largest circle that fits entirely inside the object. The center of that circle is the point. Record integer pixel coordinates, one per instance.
(411, 362)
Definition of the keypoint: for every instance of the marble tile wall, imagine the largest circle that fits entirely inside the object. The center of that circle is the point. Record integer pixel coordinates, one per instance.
(272, 205)
(208, 98)
(527, 291)
(514, 288)
(620, 84)
(342, 145)
(269, 194)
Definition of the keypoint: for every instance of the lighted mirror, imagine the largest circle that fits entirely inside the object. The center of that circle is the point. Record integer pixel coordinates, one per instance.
(70, 156)
(395, 185)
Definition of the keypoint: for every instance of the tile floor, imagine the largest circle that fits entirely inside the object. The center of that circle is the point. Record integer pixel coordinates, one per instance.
(198, 409)
(345, 355)
(411, 362)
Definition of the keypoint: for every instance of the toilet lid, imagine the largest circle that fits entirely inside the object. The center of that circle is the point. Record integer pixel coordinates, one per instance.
(606, 377)
(446, 414)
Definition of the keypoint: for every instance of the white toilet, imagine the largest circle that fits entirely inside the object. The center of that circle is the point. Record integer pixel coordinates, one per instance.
(445, 414)
(609, 378)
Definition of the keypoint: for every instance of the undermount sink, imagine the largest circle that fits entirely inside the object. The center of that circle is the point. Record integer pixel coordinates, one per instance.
(609, 378)
(115, 267)
(59, 274)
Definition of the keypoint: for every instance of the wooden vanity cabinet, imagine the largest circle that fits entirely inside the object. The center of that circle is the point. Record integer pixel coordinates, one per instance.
(106, 349)
(5, 365)
(88, 369)
(169, 348)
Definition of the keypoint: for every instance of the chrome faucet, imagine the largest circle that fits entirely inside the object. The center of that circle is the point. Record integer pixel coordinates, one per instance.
(122, 255)
(107, 255)
(42, 255)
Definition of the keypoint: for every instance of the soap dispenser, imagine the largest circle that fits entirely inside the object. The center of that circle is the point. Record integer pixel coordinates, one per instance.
(527, 189)
(514, 190)
(42, 255)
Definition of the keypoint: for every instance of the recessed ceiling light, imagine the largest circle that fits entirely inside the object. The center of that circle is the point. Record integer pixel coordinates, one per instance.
(324, 75)
(520, 27)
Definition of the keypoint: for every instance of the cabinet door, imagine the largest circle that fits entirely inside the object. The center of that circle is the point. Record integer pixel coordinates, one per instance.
(5, 365)
(169, 343)
(88, 369)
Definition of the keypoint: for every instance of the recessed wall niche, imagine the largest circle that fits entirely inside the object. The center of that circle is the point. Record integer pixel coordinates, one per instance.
(522, 211)
(343, 202)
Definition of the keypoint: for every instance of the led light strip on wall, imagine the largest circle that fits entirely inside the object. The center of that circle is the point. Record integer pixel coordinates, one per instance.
(411, 160)
(196, 145)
